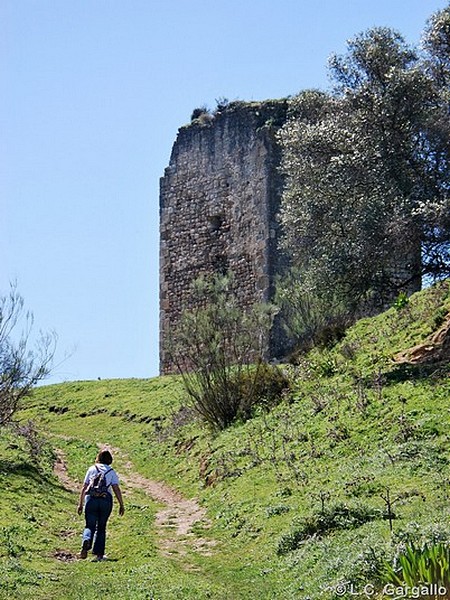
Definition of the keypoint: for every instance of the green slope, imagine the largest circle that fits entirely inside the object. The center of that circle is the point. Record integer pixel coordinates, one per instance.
(294, 496)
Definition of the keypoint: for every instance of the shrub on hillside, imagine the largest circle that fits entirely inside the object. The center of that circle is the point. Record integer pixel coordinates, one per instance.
(22, 366)
(263, 387)
(337, 516)
(219, 350)
(310, 318)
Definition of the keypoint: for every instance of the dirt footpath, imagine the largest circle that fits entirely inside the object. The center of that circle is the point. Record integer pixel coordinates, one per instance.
(174, 522)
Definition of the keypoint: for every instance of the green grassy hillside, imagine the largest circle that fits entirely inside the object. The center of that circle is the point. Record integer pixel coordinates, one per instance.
(296, 499)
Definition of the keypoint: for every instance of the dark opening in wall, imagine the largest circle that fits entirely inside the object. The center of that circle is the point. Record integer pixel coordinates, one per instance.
(220, 264)
(215, 222)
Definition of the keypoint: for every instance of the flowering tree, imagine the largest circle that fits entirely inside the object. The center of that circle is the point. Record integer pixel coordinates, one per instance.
(365, 210)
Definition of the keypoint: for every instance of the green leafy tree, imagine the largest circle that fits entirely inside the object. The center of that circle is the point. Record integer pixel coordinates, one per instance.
(434, 207)
(365, 207)
(436, 44)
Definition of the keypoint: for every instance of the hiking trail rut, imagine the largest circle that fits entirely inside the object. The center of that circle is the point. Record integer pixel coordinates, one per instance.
(174, 522)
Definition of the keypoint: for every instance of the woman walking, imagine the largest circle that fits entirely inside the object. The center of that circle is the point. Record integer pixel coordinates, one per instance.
(99, 480)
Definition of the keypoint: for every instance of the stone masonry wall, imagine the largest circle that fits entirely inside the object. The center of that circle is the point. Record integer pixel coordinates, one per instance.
(218, 202)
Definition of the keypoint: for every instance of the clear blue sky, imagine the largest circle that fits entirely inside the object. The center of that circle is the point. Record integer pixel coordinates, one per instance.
(92, 94)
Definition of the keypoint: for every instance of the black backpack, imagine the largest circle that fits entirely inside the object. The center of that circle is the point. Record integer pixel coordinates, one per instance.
(98, 488)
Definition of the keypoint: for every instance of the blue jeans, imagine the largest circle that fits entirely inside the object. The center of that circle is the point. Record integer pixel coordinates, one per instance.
(96, 512)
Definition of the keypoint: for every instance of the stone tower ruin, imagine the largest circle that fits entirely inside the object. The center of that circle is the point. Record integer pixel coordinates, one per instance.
(219, 198)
